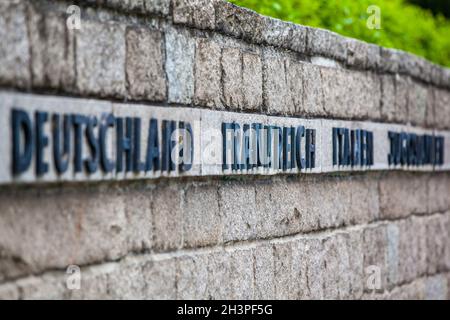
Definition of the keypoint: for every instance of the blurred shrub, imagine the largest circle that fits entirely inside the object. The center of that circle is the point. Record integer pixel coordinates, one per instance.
(403, 25)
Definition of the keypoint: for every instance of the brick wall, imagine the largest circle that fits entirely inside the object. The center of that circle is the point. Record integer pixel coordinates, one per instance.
(287, 236)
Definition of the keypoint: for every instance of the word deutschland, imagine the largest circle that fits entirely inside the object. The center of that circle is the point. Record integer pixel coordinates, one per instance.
(93, 133)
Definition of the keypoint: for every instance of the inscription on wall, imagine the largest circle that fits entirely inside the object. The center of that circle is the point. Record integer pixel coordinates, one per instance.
(61, 139)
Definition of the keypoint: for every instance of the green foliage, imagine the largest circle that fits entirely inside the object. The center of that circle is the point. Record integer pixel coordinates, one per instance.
(403, 26)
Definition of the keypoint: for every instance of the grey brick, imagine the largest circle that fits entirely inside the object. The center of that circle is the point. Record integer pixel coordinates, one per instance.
(232, 78)
(9, 291)
(280, 208)
(167, 210)
(14, 50)
(96, 282)
(395, 195)
(195, 13)
(438, 185)
(436, 288)
(343, 261)
(355, 276)
(80, 221)
(308, 269)
(418, 103)
(394, 98)
(351, 94)
(241, 274)
(326, 43)
(242, 79)
(47, 287)
(264, 272)
(252, 85)
(180, 52)
(160, 7)
(389, 60)
(160, 279)
(283, 34)
(357, 52)
(282, 253)
(411, 291)
(238, 210)
(294, 73)
(239, 22)
(401, 98)
(192, 277)
(442, 108)
(313, 99)
(52, 50)
(220, 284)
(393, 235)
(127, 280)
(100, 59)
(412, 249)
(277, 96)
(388, 110)
(202, 221)
(437, 243)
(145, 64)
(208, 74)
(373, 57)
(138, 213)
(375, 250)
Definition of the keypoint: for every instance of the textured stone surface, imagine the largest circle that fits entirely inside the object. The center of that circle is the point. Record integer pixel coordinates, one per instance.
(395, 188)
(52, 50)
(160, 7)
(239, 22)
(375, 251)
(395, 94)
(242, 79)
(351, 94)
(100, 59)
(14, 50)
(167, 217)
(9, 292)
(437, 239)
(192, 277)
(232, 77)
(277, 96)
(418, 103)
(389, 60)
(139, 221)
(264, 272)
(412, 250)
(294, 76)
(284, 34)
(195, 13)
(180, 52)
(438, 185)
(313, 99)
(70, 226)
(252, 82)
(160, 279)
(238, 210)
(208, 74)
(357, 53)
(282, 255)
(201, 216)
(325, 43)
(436, 288)
(145, 65)
(442, 108)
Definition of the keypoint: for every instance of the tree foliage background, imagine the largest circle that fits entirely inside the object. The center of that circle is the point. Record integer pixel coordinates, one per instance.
(404, 25)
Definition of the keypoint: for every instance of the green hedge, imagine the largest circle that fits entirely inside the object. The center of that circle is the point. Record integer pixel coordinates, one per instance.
(403, 25)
